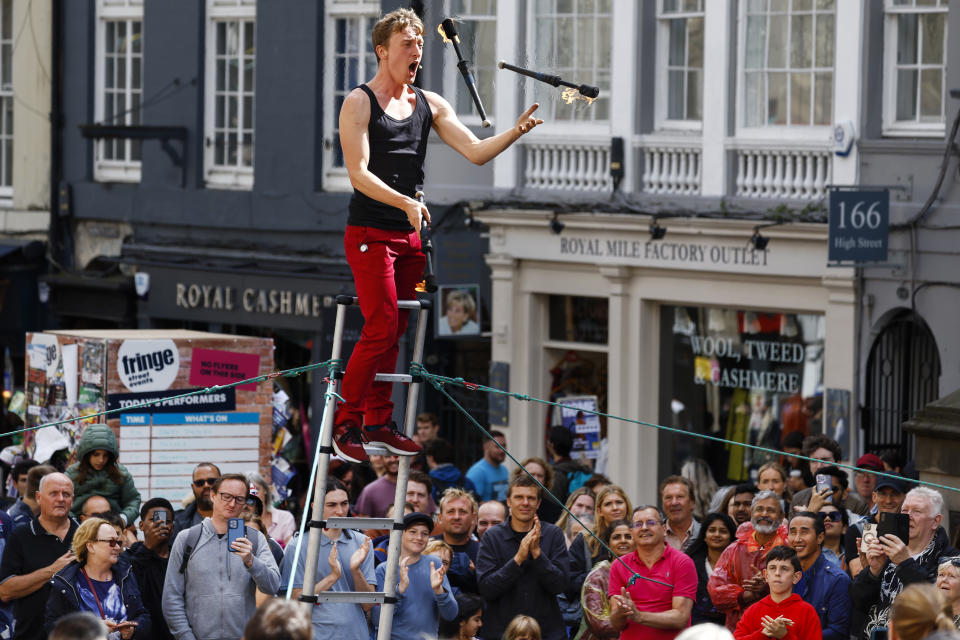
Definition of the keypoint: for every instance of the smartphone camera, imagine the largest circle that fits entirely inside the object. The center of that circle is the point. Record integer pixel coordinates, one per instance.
(160, 516)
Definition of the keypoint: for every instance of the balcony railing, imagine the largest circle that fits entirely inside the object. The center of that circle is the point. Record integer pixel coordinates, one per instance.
(567, 166)
(671, 167)
(765, 172)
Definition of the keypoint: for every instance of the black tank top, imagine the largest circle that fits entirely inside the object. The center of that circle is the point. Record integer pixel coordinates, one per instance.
(397, 152)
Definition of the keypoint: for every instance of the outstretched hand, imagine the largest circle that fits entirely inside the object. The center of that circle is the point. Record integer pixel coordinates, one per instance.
(526, 121)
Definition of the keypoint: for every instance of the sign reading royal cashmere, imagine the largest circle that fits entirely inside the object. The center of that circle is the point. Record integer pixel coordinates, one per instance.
(148, 365)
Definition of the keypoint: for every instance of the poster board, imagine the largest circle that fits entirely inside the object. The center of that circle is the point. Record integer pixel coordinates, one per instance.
(584, 426)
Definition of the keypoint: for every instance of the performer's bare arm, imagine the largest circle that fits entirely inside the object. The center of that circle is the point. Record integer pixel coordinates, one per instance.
(355, 142)
(461, 139)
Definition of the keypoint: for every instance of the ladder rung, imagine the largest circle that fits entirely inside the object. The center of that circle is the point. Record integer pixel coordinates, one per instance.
(402, 304)
(358, 597)
(360, 523)
(393, 377)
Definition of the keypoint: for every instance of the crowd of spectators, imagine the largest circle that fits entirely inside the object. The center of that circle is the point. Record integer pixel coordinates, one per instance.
(801, 552)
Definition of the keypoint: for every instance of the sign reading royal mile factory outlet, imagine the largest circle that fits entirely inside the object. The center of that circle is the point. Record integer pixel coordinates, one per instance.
(664, 251)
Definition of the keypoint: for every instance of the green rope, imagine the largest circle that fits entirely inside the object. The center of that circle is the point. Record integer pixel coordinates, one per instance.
(614, 558)
(333, 366)
(417, 369)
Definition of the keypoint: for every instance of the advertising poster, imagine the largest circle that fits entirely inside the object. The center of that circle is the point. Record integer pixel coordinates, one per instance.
(209, 367)
(584, 426)
(148, 365)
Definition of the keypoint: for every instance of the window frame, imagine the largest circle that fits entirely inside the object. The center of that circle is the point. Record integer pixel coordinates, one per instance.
(451, 74)
(661, 103)
(890, 126)
(129, 11)
(368, 12)
(583, 128)
(224, 176)
(819, 132)
(7, 98)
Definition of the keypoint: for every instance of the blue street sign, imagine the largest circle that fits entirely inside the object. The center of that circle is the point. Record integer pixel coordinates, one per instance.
(859, 226)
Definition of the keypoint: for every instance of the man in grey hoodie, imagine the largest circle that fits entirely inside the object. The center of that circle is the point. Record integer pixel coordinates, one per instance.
(212, 595)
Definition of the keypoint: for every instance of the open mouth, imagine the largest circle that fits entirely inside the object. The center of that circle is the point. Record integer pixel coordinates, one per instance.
(414, 66)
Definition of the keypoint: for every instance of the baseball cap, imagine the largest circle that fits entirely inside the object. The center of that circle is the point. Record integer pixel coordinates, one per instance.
(894, 483)
(417, 518)
(870, 461)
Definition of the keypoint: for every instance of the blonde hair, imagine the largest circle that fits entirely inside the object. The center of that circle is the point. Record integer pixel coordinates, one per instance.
(919, 610)
(600, 523)
(456, 493)
(434, 547)
(522, 626)
(87, 532)
(565, 516)
(463, 298)
(395, 21)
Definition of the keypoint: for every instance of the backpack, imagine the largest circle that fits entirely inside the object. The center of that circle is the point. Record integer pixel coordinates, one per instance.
(193, 537)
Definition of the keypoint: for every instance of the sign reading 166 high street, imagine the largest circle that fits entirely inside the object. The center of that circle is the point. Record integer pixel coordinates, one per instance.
(859, 226)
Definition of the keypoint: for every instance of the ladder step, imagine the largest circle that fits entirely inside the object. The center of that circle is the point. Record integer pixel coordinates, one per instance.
(393, 377)
(401, 304)
(357, 597)
(360, 523)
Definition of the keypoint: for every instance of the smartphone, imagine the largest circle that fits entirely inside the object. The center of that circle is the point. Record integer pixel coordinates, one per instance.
(824, 482)
(880, 633)
(869, 535)
(235, 531)
(896, 523)
(159, 516)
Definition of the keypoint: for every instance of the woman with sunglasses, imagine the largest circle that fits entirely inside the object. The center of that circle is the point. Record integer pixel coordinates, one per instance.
(835, 526)
(948, 581)
(100, 582)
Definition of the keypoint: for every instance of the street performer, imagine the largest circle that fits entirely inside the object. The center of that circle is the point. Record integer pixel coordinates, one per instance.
(384, 126)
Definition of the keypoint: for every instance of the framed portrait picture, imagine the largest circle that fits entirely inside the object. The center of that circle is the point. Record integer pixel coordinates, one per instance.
(458, 310)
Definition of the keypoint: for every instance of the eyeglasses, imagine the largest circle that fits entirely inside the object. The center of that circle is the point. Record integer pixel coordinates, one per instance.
(113, 542)
(649, 524)
(833, 516)
(226, 497)
(208, 481)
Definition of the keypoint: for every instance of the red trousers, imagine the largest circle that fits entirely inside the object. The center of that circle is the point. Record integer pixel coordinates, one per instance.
(386, 265)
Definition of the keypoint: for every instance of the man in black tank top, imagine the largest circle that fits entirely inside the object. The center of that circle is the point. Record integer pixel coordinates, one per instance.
(384, 126)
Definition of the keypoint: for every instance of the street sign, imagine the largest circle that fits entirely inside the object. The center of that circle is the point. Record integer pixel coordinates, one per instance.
(859, 226)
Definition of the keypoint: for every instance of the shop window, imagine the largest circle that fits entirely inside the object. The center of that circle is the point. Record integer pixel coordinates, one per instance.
(578, 319)
(119, 81)
(915, 60)
(747, 376)
(230, 84)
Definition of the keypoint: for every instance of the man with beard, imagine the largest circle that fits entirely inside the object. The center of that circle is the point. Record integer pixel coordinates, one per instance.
(458, 512)
(737, 580)
(205, 475)
(646, 609)
(149, 561)
(890, 564)
(739, 505)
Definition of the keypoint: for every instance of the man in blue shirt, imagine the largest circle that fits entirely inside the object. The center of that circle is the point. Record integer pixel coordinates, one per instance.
(423, 591)
(344, 563)
(823, 584)
(489, 475)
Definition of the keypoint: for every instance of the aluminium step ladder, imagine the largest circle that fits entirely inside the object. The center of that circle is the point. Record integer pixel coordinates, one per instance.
(387, 598)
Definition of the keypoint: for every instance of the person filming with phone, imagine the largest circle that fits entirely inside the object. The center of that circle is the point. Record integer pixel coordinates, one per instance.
(100, 582)
(215, 568)
(149, 560)
(892, 562)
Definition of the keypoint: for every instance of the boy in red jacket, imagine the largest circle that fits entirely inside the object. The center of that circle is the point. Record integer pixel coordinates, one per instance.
(782, 614)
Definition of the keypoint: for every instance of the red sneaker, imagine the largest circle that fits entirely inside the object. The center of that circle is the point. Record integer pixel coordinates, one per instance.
(392, 439)
(348, 442)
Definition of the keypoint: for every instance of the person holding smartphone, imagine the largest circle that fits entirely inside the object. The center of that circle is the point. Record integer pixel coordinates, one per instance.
(149, 560)
(212, 577)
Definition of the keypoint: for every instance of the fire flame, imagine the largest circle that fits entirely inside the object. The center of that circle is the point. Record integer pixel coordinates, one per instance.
(442, 34)
(571, 95)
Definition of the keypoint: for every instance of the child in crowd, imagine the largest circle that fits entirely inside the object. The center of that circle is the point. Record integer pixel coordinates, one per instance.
(782, 614)
(522, 628)
(97, 473)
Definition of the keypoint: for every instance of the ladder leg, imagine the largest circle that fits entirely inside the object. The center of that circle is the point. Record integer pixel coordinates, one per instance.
(400, 496)
(323, 456)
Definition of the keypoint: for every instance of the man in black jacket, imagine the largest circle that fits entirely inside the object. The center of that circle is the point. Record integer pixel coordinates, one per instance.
(522, 566)
(205, 476)
(559, 446)
(891, 564)
(149, 560)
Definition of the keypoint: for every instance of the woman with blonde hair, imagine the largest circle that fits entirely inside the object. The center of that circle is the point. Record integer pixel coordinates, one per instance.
(612, 504)
(948, 581)
(918, 612)
(773, 477)
(522, 628)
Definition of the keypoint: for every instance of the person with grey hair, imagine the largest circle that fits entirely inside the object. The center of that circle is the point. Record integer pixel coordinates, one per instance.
(737, 580)
(79, 625)
(890, 564)
(706, 631)
(280, 524)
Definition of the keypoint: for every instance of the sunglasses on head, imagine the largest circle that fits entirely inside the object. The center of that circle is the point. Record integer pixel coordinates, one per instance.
(954, 560)
(205, 481)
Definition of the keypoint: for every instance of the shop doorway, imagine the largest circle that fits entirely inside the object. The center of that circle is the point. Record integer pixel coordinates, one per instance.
(903, 375)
